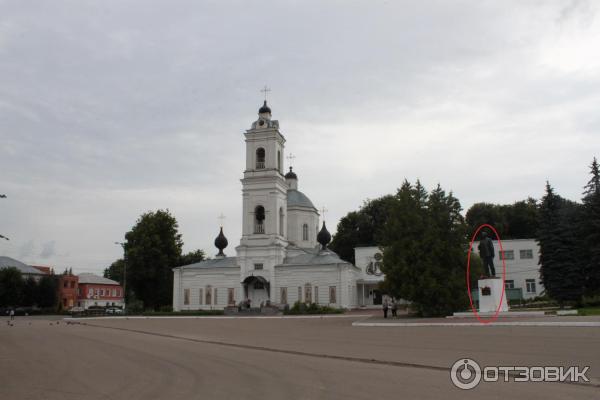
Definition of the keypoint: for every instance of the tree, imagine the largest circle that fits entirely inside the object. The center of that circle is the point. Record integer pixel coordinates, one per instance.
(115, 271)
(30, 289)
(512, 221)
(361, 228)
(11, 287)
(152, 249)
(47, 291)
(192, 257)
(589, 232)
(425, 249)
(561, 272)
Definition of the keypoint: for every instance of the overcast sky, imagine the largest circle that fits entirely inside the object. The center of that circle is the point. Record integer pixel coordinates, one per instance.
(109, 109)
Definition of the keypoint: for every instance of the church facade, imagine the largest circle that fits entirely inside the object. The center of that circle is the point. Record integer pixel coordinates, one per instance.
(282, 256)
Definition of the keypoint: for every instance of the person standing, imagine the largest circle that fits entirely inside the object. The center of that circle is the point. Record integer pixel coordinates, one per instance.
(385, 308)
(394, 308)
(12, 314)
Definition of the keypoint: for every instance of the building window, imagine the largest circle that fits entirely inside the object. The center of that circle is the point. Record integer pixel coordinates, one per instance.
(530, 283)
(200, 296)
(258, 285)
(65, 284)
(114, 292)
(118, 292)
(508, 255)
(258, 266)
(208, 299)
(283, 295)
(317, 294)
(260, 158)
(279, 162)
(332, 295)
(90, 292)
(509, 284)
(186, 297)
(259, 219)
(526, 254)
(308, 293)
(281, 221)
(305, 232)
(231, 296)
(72, 284)
(299, 293)
(215, 298)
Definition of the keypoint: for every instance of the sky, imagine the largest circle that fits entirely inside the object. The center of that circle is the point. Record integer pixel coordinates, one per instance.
(109, 109)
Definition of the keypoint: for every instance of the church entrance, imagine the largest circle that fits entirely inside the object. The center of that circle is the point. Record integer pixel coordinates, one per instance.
(256, 289)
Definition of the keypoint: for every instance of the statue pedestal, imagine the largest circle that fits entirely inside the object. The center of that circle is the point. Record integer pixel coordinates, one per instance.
(490, 290)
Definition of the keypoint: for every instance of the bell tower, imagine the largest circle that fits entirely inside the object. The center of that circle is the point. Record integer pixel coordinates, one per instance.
(264, 195)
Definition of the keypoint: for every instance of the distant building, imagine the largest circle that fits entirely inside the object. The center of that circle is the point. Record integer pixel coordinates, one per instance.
(26, 270)
(68, 290)
(94, 290)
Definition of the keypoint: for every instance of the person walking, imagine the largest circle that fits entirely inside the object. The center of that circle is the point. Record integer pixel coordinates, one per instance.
(385, 308)
(394, 308)
(12, 314)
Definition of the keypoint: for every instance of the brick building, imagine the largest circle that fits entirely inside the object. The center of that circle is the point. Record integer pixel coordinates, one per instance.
(94, 290)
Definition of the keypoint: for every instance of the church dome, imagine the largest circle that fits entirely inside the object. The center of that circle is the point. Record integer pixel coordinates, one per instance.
(324, 237)
(264, 109)
(221, 243)
(296, 198)
(291, 175)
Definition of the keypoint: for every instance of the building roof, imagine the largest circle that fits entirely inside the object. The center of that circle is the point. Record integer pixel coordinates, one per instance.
(296, 198)
(95, 279)
(224, 262)
(6, 262)
(314, 257)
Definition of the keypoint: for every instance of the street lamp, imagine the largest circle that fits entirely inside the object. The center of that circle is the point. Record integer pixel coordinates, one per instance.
(124, 277)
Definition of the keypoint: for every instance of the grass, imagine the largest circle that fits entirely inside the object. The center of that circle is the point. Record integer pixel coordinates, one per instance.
(589, 311)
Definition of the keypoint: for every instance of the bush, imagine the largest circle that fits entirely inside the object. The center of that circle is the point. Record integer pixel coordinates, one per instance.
(300, 308)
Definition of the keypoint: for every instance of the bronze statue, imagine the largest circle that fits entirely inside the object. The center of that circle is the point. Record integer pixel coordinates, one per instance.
(486, 252)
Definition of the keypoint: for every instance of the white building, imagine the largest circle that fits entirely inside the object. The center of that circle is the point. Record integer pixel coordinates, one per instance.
(282, 257)
(522, 266)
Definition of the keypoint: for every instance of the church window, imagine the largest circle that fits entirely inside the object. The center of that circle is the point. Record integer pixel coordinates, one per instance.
(279, 161)
(208, 299)
(200, 296)
(281, 216)
(283, 296)
(215, 298)
(317, 294)
(259, 219)
(305, 232)
(299, 293)
(258, 266)
(260, 158)
(332, 295)
(308, 293)
(231, 296)
(258, 285)
(186, 297)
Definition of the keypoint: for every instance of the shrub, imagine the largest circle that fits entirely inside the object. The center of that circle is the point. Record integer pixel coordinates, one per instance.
(300, 308)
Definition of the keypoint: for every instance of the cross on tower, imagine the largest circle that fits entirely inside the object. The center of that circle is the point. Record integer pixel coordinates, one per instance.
(290, 158)
(323, 211)
(221, 218)
(265, 90)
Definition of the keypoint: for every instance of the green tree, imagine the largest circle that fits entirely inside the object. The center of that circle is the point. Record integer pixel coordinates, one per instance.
(361, 228)
(30, 289)
(425, 251)
(11, 287)
(152, 249)
(192, 257)
(115, 271)
(47, 291)
(561, 272)
(589, 232)
(512, 221)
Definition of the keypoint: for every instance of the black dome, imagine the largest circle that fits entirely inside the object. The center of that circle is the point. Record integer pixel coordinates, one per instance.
(264, 109)
(221, 243)
(324, 237)
(291, 175)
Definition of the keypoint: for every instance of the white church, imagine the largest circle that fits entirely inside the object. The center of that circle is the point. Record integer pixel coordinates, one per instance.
(282, 256)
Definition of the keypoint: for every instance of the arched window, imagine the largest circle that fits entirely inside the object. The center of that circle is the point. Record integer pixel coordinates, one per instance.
(281, 216)
(259, 219)
(260, 158)
(279, 162)
(305, 232)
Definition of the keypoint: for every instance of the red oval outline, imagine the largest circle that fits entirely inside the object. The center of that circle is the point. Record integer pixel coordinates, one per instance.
(495, 317)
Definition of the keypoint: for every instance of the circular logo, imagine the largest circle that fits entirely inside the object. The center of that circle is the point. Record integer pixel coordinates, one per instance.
(465, 374)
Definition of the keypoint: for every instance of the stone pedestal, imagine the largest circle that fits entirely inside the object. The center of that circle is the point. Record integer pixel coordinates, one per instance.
(490, 291)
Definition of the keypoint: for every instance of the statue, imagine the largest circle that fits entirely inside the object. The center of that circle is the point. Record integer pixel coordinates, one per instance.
(486, 252)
